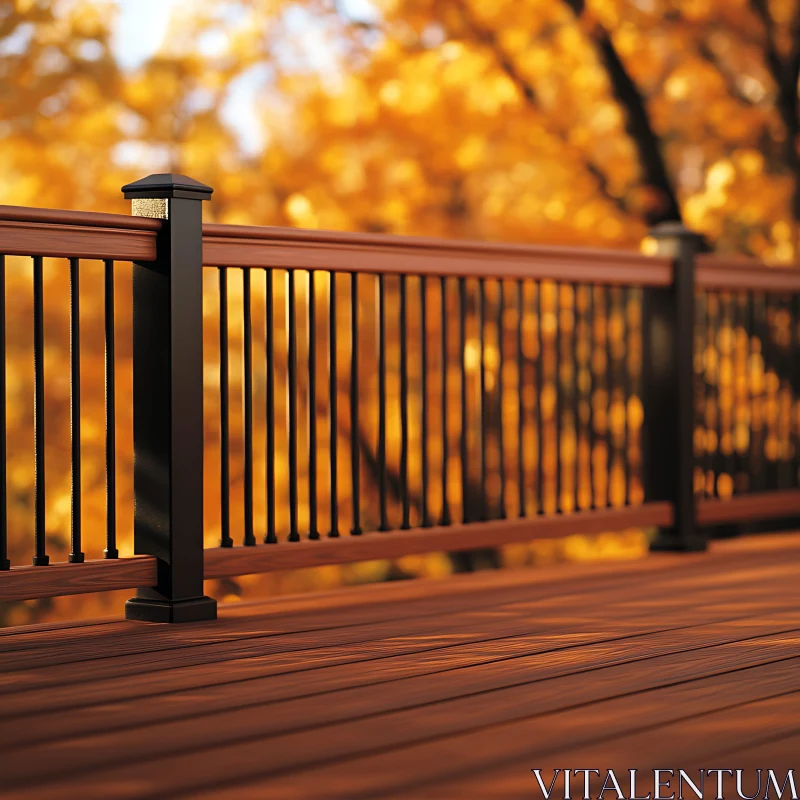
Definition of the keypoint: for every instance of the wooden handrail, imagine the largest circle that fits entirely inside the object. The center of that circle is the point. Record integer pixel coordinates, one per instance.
(245, 246)
(76, 234)
(734, 274)
(87, 219)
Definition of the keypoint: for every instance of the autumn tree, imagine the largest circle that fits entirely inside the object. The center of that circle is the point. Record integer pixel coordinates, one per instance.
(568, 121)
(573, 120)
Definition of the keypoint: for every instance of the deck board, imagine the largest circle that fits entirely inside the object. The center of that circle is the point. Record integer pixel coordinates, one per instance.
(436, 689)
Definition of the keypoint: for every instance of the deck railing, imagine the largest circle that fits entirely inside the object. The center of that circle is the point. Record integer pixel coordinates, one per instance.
(403, 395)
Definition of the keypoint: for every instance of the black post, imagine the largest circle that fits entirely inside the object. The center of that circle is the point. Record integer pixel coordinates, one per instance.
(668, 321)
(168, 402)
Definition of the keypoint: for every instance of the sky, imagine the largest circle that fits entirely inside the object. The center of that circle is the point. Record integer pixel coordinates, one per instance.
(139, 32)
(140, 28)
(142, 24)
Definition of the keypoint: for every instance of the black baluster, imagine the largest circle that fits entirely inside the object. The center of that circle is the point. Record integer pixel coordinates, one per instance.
(741, 377)
(557, 377)
(224, 414)
(294, 532)
(771, 364)
(539, 416)
(699, 388)
(404, 494)
(786, 387)
(728, 322)
(626, 391)
(520, 400)
(423, 315)
(382, 482)
(500, 445)
(592, 433)
(313, 532)
(271, 536)
(41, 559)
(712, 396)
(777, 363)
(794, 344)
(4, 562)
(76, 555)
(759, 482)
(576, 413)
(446, 517)
(607, 297)
(355, 453)
(334, 416)
(637, 383)
(249, 535)
(752, 456)
(462, 345)
(483, 433)
(111, 550)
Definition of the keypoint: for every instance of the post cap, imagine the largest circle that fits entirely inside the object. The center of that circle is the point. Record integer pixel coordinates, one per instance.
(167, 185)
(674, 230)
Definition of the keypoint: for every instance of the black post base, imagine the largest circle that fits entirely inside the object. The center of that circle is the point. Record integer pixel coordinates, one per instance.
(198, 609)
(670, 542)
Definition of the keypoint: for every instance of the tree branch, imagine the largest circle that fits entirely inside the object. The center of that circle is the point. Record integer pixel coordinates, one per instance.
(772, 56)
(639, 128)
(526, 89)
(710, 57)
(794, 56)
(785, 75)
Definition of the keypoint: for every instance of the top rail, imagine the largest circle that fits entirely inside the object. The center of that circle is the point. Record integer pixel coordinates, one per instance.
(76, 234)
(246, 246)
(712, 272)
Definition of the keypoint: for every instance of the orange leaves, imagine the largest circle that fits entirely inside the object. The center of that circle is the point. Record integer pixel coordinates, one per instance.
(465, 91)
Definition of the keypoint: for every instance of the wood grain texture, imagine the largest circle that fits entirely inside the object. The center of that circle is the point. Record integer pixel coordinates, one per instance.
(24, 583)
(687, 725)
(515, 660)
(264, 636)
(742, 508)
(224, 562)
(417, 689)
(244, 246)
(196, 666)
(76, 234)
(733, 274)
(87, 219)
(62, 578)
(409, 600)
(178, 753)
(250, 655)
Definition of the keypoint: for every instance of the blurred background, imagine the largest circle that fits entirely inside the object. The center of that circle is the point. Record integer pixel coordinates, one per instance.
(579, 122)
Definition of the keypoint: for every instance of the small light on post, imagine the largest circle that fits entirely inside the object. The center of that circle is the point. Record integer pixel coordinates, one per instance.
(155, 208)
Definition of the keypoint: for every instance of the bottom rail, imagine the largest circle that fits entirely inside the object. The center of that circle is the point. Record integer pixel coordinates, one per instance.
(55, 580)
(227, 562)
(749, 507)
(30, 583)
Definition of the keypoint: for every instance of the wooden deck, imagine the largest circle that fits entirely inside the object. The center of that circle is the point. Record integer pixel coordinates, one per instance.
(434, 689)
